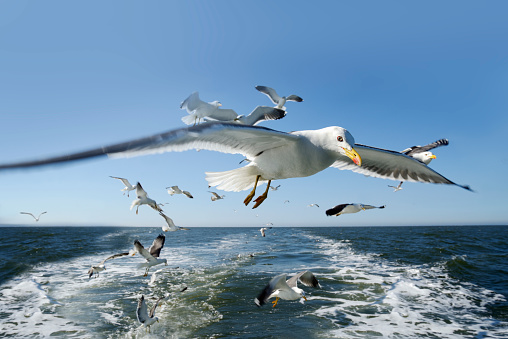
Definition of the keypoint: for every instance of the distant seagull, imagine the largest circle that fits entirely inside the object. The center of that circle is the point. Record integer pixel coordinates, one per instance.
(397, 188)
(171, 227)
(260, 114)
(36, 218)
(278, 287)
(263, 229)
(145, 318)
(128, 186)
(215, 196)
(101, 267)
(422, 154)
(199, 110)
(312, 205)
(286, 201)
(175, 190)
(277, 99)
(152, 255)
(143, 199)
(349, 208)
(274, 188)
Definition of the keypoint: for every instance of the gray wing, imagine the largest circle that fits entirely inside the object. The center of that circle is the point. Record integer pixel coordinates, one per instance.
(336, 210)
(277, 283)
(306, 277)
(222, 114)
(369, 207)
(124, 181)
(28, 214)
(270, 92)
(157, 245)
(230, 138)
(262, 113)
(187, 193)
(192, 102)
(152, 311)
(142, 310)
(169, 221)
(141, 250)
(113, 257)
(418, 149)
(140, 192)
(293, 97)
(386, 164)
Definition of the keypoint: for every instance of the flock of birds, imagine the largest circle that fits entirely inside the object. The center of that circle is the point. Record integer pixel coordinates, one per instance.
(270, 155)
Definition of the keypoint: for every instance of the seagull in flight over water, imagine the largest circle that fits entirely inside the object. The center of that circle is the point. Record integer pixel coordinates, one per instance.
(280, 288)
(95, 269)
(145, 318)
(349, 208)
(273, 155)
(152, 254)
(143, 199)
(398, 187)
(128, 187)
(36, 218)
(171, 227)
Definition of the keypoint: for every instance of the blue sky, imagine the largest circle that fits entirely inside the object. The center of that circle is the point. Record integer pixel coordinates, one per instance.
(77, 75)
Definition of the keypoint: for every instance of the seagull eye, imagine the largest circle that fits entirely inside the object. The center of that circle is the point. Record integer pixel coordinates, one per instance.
(340, 139)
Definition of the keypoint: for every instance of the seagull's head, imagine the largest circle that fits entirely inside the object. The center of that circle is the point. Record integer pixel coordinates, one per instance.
(216, 103)
(425, 157)
(345, 142)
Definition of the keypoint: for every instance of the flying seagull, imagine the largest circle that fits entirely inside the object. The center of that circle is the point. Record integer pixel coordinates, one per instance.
(260, 114)
(215, 196)
(143, 199)
(175, 190)
(170, 224)
(349, 208)
(263, 229)
(145, 318)
(277, 99)
(274, 188)
(36, 218)
(273, 155)
(280, 288)
(422, 153)
(397, 188)
(128, 187)
(312, 205)
(199, 110)
(152, 255)
(95, 269)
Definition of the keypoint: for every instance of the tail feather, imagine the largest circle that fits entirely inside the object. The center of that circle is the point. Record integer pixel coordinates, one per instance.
(236, 180)
(190, 119)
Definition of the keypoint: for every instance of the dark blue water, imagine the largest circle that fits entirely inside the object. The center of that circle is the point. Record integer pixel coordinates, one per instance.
(393, 282)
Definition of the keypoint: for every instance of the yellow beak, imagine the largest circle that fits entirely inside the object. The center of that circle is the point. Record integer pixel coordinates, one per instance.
(353, 155)
(432, 156)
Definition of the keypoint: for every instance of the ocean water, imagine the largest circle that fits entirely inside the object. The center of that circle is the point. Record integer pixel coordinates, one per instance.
(376, 282)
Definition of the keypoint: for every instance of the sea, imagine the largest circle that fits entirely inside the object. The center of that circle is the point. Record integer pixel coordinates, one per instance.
(376, 282)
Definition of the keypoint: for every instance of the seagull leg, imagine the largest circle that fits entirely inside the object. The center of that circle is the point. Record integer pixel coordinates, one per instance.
(275, 302)
(263, 196)
(251, 194)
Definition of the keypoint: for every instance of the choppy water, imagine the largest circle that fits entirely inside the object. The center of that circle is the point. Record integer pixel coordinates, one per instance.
(390, 282)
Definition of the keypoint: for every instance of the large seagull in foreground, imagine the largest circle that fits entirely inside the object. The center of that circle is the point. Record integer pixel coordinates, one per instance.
(272, 155)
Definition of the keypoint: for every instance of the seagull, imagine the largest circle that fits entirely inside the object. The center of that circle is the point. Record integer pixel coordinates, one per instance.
(260, 114)
(216, 196)
(277, 99)
(128, 186)
(397, 188)
(273, 155)
(274, 188)
(175, 190)
(170, 224)
(143, 199)
(263, 229)
(312, 205)
(349, 208)
(199, 109)
(145, 318)
(152, 255)
(281, 288)
(421, 153)
(101, 267)
(36, 218)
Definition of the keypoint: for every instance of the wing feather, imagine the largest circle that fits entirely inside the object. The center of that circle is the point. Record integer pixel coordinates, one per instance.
(157, 245)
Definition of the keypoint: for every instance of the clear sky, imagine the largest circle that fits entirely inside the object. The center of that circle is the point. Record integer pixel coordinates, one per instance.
(77, 75)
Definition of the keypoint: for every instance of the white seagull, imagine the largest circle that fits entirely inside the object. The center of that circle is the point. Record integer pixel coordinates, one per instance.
(281, 288)
(263, 229)
(199, 109)
(152, 255)
(143, 199)
(277, 99)
(422, 153)
(95, 269)
(172, 190)
(145, 318)
(216, 196)
(274, 188)
(260, 114)
(171, 227)
(349, 208)
(397, 188)
(36, 218)
(128, 187)
(273, 155)
(312, 205)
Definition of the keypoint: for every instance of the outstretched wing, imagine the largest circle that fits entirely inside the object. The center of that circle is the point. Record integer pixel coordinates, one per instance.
(141, 250)
(124, 181)
(152, 310)
(142, 310)
(28, 214)
(294, 97)
(114, 256)
(230, 138)
(270, 92)
(157, 245)
(336, 210)
(262, 113)
(418, 149)
(277, 283)
(381, 163)
(306, 277)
